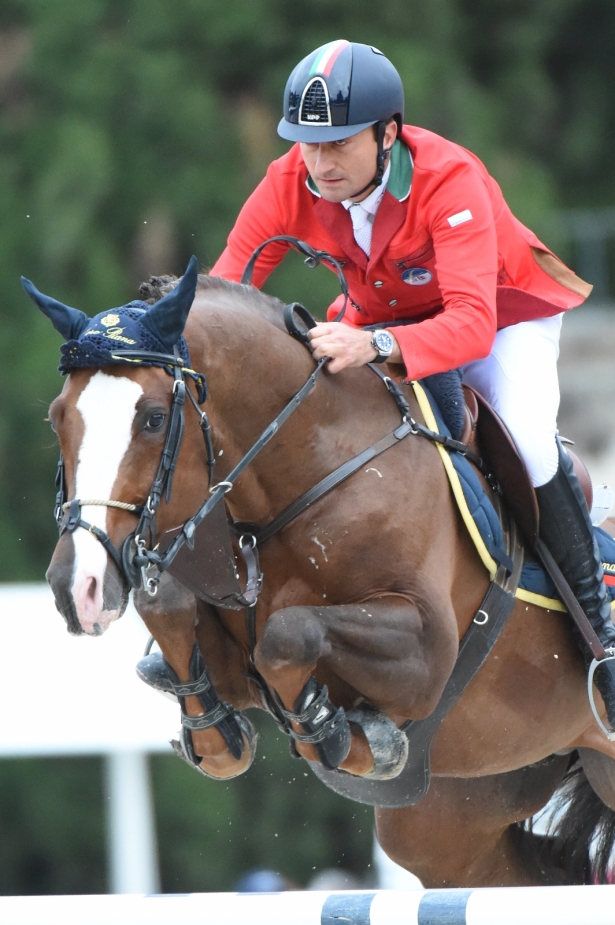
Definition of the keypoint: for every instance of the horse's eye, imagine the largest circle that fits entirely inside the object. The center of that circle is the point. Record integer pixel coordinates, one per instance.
(155, 420)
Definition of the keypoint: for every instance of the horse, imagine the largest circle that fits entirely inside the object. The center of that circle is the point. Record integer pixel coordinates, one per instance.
(361, 600)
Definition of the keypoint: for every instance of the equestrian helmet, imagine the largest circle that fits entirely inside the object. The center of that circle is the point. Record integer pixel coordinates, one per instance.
(339, 90)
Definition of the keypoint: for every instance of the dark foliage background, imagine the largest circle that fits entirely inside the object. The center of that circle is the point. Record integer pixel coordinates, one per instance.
(130, 133)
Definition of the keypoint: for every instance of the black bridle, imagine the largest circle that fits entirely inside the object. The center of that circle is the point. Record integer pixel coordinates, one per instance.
(139, 553)
(132, 560)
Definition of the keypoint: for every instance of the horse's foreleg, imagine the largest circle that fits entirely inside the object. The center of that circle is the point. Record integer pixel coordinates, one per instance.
(215, 738)
(386, 652)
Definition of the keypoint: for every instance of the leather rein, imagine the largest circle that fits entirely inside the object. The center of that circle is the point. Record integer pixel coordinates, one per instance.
(140, 554)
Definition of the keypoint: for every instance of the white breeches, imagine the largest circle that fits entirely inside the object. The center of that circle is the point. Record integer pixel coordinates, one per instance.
(519, 378)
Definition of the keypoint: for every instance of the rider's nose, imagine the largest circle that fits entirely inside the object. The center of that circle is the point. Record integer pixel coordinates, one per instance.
(324, 160)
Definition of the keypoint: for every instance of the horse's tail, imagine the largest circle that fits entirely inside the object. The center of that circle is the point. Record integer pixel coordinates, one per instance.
(579, 838)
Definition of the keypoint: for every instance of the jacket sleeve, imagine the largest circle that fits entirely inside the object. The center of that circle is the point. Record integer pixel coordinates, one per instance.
(259, 219)
(459, 217)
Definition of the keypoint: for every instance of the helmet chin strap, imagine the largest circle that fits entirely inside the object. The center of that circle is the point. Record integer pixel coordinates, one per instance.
(380, 162)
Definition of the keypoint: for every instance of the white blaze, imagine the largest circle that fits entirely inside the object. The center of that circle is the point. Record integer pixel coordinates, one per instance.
(107, 406)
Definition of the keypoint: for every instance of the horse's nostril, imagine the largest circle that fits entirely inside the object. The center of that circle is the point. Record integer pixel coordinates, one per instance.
(91, 593)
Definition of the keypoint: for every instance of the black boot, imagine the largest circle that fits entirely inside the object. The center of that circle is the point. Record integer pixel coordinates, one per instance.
(567, 531)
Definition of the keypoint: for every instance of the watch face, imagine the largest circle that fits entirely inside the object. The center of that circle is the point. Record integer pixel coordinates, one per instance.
(383, 342)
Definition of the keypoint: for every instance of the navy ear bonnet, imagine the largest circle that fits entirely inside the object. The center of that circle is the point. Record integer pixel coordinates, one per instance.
(118, 329)
(136, 327)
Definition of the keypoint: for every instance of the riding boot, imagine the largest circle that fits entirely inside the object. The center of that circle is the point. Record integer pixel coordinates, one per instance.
(567, 532)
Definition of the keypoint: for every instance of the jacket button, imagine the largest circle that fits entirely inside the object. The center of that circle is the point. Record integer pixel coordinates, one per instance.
(393, 302)
(378, 283)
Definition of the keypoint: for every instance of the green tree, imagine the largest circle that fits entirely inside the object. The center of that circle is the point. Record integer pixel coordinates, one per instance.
(130, 133)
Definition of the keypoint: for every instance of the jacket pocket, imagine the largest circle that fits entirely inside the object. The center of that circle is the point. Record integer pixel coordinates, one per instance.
(424, 254)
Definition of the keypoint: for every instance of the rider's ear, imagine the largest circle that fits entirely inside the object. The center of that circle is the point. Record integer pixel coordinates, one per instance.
(70, 322)
(167, 318)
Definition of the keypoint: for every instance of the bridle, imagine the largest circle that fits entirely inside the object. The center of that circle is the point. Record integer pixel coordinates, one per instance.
(135, 558)
(139, 553)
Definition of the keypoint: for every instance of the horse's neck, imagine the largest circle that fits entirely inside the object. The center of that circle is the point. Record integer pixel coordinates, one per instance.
(253, 370)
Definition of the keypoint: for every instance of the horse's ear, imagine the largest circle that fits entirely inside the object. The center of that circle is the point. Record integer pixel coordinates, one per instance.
(167, 318)
(70, 322)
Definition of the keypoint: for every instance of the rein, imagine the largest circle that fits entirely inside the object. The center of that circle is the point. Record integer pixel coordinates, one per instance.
(139, 554)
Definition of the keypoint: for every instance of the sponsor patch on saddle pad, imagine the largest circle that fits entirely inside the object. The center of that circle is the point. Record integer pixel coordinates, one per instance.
(535, 579)
(535, 586)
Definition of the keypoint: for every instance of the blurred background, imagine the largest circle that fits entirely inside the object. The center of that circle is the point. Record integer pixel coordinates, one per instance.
(131, 131)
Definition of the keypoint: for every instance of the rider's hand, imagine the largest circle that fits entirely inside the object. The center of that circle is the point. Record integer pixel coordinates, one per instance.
(345, 345)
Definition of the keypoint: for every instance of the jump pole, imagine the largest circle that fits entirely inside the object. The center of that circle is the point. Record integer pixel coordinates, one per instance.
(567, 905)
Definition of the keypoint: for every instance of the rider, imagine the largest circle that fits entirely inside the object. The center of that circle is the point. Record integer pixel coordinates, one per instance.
(434, 256)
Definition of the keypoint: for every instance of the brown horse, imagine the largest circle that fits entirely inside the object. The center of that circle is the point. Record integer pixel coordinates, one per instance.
(368, 591)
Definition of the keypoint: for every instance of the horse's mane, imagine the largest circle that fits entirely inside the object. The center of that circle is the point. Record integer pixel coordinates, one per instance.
(158, 286)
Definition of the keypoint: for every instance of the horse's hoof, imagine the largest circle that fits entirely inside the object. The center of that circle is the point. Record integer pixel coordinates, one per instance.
(152, 670)
(184, 748)
(388, 744)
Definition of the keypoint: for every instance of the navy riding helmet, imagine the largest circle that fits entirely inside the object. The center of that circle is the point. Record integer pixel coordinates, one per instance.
(339, 90)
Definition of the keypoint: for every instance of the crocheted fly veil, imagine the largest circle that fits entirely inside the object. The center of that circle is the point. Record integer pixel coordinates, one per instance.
(135, 333)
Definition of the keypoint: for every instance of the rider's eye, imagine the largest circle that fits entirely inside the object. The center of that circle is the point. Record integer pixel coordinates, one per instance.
(155, 420)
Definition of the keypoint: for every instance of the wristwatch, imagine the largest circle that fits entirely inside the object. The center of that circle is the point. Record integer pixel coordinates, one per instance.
(383, 343)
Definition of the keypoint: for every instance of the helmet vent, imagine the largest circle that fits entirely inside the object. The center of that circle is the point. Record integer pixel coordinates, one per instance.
(315, 109)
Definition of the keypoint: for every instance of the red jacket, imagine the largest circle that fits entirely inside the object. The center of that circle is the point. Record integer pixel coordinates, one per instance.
(450, 258)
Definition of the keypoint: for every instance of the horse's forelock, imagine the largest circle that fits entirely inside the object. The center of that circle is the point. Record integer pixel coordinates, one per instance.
(268, 306)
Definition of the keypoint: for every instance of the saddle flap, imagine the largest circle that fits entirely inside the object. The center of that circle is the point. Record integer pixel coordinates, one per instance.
(500, 452)
(208, 569)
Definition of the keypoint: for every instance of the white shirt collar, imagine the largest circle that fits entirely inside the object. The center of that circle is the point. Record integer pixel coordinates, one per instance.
(371, 202)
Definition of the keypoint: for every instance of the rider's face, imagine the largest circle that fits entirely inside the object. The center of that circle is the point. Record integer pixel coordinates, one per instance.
(340, 168)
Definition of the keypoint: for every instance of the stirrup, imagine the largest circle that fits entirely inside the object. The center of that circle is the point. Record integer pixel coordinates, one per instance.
(595, 664)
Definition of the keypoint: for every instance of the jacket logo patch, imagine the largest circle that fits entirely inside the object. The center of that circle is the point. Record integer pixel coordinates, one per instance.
(459, 218)
(416, 276)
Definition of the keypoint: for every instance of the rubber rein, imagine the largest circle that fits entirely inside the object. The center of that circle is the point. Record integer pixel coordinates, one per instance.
(139, 554)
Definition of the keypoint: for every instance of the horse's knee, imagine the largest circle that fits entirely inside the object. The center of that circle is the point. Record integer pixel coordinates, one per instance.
(172, 598)
(291, 636)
